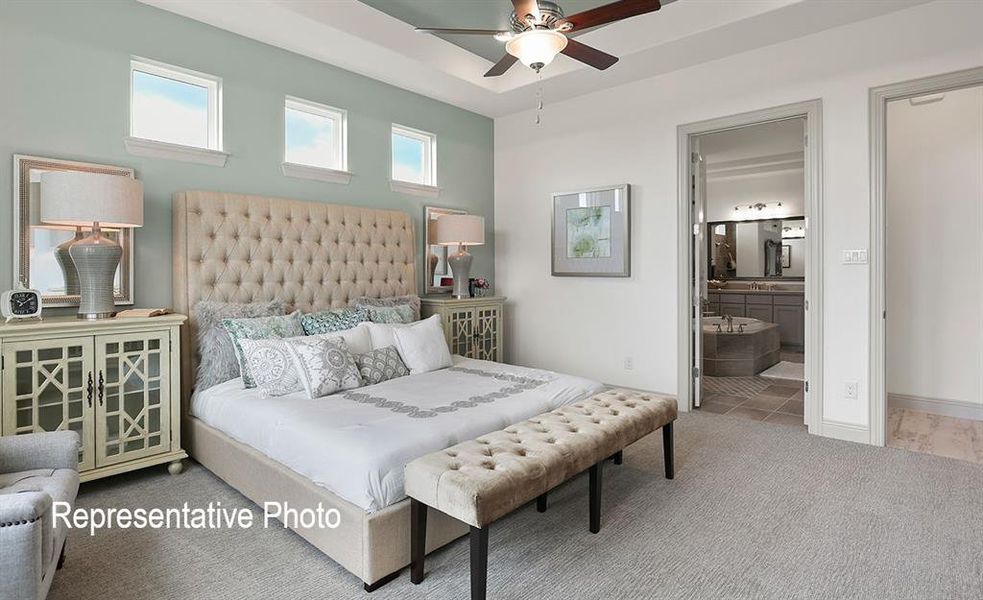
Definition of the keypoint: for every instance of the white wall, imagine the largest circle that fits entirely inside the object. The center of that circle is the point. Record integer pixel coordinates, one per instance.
(724, 193)
(628, 134)
(935, 247)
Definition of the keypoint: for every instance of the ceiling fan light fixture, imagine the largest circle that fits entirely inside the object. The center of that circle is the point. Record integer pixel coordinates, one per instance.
(536, 48)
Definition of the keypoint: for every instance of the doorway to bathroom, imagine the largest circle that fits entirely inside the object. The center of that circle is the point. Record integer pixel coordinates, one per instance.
(751, 205)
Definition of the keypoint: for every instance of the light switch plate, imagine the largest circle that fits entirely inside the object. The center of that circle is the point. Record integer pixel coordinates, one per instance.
(855, 257)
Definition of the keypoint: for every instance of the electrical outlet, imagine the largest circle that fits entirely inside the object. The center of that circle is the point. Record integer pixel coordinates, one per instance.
(850, 390)
(629, 363)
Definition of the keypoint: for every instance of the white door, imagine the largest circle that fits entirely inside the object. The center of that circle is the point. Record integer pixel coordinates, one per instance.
(699, 268)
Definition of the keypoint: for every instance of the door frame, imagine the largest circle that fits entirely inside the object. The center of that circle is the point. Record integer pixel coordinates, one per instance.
(879, 97)
(811, 110)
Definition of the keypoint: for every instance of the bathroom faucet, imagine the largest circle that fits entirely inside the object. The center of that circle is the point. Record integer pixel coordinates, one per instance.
(730, 323)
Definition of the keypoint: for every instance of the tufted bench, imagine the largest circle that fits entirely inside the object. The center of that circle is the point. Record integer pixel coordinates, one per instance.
(479, 481)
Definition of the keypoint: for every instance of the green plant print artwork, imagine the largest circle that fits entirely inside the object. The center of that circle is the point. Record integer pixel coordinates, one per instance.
(589, 232)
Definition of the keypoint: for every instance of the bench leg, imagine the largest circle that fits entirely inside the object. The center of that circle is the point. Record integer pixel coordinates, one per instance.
(369, 588)
(618, 457)
(595, 497)
(418, 539)
(61, 557)
(479, 562)
(542, 502)
(667, 449)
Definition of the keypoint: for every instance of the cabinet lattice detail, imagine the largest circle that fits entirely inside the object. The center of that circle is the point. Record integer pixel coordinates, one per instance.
(473, 327)
(115, 382)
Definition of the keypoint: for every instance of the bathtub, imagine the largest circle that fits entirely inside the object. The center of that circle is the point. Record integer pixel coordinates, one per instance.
(739, 354)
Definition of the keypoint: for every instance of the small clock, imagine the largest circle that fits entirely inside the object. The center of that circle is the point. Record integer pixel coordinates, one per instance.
(20, 304)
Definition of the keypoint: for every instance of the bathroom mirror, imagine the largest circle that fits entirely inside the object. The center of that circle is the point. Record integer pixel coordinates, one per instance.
(41, 259)
(438, 273)
(766, 249)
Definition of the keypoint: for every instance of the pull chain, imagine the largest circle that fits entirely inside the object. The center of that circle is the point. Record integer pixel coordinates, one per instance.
(539, 100)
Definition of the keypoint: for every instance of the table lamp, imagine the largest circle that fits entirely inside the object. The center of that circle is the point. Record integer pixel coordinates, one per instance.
(462, 231)
(93, 200)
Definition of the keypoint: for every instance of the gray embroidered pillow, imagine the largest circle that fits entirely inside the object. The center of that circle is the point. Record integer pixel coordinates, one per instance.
(324, 365)
(380, 365)
(392, 314)
(411, 300)
(271, 367)
(217, 358)
(328, 321)
(260, 328)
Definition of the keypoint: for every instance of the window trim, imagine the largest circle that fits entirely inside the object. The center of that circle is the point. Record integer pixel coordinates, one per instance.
(188, 76)
(429, 160)
(315, 172)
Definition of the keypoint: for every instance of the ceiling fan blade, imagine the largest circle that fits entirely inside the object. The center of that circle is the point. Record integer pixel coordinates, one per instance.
(527, 7)
(609, 13)
(589, 55)
(502, 66)
(456, 31)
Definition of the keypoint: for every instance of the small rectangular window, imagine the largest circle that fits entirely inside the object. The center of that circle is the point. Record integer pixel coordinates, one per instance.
(175, 105)
(414, 156)
(315, 135)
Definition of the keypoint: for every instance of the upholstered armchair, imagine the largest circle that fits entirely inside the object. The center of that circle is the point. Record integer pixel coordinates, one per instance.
(35, 470)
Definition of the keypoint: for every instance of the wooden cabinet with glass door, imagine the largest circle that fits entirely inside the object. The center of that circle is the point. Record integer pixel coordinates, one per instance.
(115, 382)
(473, 326)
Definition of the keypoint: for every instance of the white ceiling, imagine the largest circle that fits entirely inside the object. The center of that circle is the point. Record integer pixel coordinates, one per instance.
(354, 36)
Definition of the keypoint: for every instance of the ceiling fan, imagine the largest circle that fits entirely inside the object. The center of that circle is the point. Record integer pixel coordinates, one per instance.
(539, 31)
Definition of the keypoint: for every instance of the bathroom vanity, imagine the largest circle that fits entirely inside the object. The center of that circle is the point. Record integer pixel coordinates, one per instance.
(784, 307)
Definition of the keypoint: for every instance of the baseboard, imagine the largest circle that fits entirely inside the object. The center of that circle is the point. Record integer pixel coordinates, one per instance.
(936, 406)
(845, 431)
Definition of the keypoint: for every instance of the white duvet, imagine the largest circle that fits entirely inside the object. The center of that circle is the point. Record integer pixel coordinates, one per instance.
(356, 443)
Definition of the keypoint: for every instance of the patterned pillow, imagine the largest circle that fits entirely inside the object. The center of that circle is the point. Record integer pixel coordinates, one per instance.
(271, 366)
(217, 357)
(392, 314)
(324, 365)
(380, 365)
(260, 328)
(411, 300)
(333, 320)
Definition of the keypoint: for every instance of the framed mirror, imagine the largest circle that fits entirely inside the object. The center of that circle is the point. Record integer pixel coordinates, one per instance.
(762, 249)
(41, 259)
(438, 273)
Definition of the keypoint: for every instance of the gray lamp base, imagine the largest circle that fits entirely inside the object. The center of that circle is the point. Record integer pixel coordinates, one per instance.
(96, 258)
(68, 270)
(460, 263)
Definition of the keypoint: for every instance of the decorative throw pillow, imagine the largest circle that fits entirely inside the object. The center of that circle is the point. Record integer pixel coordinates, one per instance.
(357, 338)
(380, 365)
(392, 314)
(327, 321)
(271, 366)
(324, 365)
(217, 358)
(411, 300)
(260, 328)
(422, 346)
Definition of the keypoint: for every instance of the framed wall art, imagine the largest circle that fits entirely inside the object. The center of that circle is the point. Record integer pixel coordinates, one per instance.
(592, 232)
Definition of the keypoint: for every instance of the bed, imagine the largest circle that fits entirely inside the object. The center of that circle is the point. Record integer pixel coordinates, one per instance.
(346, 453)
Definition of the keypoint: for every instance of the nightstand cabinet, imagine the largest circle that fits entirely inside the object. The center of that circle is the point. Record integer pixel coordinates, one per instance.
(116, 382)
(473, 326)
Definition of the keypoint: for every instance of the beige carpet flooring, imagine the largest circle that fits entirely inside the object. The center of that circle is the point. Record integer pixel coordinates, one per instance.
(756, 511)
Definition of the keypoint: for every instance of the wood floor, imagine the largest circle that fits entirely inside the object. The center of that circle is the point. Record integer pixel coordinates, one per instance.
(961, 439)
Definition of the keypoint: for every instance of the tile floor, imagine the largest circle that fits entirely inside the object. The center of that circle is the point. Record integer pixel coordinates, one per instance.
(961, 439)
(755, 398)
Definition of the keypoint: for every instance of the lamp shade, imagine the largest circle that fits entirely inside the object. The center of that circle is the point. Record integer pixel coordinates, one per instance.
(77, 198)
(536, 48)
(453, 230)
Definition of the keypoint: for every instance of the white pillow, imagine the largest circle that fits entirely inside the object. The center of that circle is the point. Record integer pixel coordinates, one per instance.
(357, 338)
(422, 346)
(381, 334)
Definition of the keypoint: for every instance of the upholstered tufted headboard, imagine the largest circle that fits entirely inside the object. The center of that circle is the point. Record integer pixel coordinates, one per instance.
(311, 255)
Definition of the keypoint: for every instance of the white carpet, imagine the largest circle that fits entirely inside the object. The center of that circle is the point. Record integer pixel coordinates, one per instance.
(785, 370)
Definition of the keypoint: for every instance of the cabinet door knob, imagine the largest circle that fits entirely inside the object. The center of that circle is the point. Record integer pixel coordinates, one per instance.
(88, 390)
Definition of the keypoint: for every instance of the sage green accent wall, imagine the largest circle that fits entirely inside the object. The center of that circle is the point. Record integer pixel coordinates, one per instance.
(64, 70)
